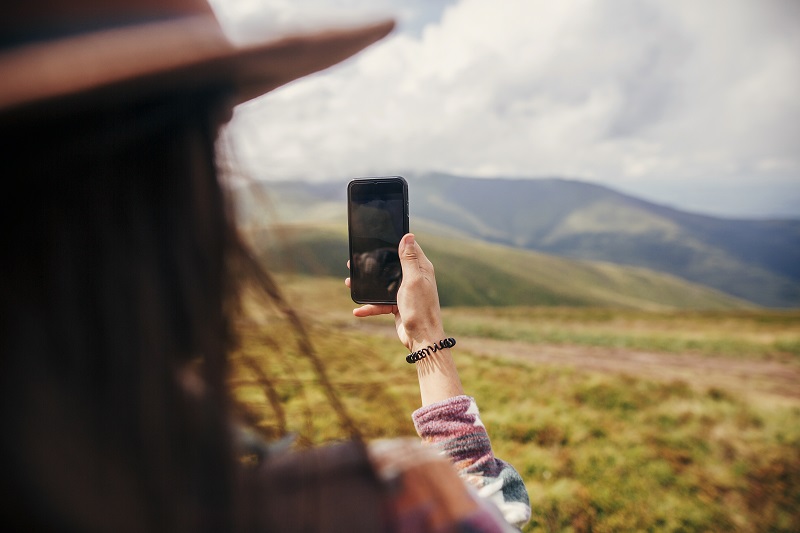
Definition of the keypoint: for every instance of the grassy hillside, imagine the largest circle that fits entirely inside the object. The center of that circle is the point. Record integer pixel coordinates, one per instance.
(755, 260)
(598, 452)
(475, 273)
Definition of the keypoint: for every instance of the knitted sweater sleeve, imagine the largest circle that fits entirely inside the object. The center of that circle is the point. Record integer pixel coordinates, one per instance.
(455, 428)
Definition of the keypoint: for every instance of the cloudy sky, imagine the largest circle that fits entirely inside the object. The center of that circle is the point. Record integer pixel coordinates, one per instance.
(691, 104)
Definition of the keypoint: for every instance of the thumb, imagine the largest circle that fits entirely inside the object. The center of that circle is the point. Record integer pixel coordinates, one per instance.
(409, 258)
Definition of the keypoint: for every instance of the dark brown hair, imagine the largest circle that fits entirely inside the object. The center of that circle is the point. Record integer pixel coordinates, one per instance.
(117, 246)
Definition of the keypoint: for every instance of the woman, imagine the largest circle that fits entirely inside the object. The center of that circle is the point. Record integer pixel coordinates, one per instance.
(121, 276)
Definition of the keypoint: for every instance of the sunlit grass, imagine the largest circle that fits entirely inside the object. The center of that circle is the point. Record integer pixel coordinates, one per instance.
(740, 333)
(598, 452)
(759, 334)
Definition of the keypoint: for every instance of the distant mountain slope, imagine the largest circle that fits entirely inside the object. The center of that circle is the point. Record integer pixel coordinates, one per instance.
(476, 273)
(755, 260)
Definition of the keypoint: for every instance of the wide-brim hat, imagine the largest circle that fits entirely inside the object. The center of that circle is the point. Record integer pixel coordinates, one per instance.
(67, 55)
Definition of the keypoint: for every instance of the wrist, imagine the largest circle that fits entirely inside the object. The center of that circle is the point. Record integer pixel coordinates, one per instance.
(419, 342)
(433, 348)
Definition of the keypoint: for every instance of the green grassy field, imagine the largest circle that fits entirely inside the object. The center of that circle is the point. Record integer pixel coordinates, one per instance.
(599, 451)
(484, 274)
(757, 334)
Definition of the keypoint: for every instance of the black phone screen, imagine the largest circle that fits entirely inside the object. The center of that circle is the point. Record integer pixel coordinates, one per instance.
(377, 212)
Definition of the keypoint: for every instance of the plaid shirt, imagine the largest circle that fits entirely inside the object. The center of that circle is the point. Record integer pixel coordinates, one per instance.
(452, 482)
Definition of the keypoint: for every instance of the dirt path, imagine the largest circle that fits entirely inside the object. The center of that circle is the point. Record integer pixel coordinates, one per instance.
(769, 380)
(761, 378)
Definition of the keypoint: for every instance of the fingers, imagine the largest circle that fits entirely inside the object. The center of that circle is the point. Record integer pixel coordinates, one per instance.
(373, 310)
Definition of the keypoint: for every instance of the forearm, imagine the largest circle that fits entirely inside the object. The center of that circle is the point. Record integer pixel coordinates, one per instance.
(455, 427)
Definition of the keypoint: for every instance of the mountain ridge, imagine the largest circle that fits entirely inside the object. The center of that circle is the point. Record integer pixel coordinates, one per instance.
(755, 260)
(477, 273)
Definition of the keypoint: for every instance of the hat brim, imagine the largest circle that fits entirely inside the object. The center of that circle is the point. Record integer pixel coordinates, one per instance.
(145, 59)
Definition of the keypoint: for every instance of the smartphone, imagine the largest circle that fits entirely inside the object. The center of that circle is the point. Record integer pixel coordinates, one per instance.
(377, 218)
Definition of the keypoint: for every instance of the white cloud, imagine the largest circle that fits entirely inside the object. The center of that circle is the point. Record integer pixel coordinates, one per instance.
(625, 92)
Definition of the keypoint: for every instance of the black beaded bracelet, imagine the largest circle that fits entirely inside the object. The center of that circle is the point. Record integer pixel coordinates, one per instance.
(423, 353)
